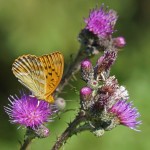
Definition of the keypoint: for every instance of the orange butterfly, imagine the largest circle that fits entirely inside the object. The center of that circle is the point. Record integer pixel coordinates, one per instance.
(41, 75)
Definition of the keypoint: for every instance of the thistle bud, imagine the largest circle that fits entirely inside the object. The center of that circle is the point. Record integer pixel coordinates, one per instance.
(86, 70)
(119, 42)
(86, 93)
(86, 97)
(86, 65)
(42, 131)
(60, 103)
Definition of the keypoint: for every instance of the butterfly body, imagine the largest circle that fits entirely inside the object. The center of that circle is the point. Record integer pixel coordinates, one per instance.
(41, 75)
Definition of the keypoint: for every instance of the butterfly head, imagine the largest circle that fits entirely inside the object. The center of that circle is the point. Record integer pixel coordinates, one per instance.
(49, 99)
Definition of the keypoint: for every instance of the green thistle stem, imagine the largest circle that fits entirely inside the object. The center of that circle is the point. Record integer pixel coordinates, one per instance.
(69, 131)
(28, 139)
(84, 127)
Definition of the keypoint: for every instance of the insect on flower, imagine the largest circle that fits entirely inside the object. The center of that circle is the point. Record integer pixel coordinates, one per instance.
(41, 75)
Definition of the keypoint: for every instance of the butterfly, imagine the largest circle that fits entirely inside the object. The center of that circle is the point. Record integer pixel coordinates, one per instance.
(41, 75)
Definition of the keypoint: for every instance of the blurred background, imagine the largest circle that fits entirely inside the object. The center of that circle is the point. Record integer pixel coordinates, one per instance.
(42, 26)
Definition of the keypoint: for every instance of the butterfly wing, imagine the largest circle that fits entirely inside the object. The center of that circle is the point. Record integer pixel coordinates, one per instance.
(41, 75)
(53, 65)
(30, 72)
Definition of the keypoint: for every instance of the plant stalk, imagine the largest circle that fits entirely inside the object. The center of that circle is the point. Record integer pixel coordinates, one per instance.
(28, 139)
(71, 130)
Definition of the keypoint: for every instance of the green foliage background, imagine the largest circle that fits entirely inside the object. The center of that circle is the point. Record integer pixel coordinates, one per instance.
(43, 26)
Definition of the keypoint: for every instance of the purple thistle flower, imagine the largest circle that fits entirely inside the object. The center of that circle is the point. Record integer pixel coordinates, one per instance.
(126, 114)
(101, 22)
(28, 111)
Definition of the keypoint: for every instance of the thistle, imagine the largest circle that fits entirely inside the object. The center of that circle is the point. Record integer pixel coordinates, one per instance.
(28, 111)
(101, 22)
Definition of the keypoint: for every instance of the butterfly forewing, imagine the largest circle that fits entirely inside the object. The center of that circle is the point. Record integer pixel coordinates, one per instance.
(41, 75)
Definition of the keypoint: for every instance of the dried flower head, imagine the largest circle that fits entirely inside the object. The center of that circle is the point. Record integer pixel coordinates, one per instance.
(101, 22)
(105, 62)
(109, 93)
(28, 111)
(121, 93)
